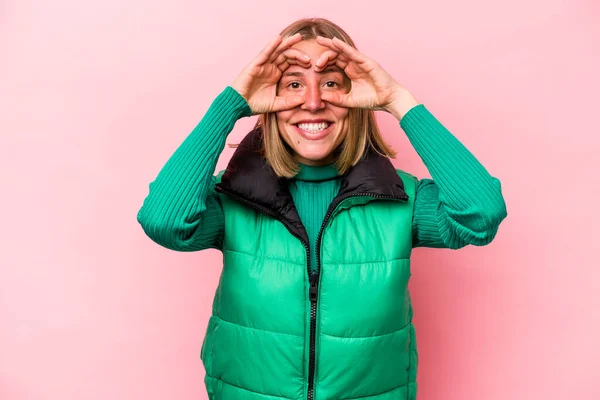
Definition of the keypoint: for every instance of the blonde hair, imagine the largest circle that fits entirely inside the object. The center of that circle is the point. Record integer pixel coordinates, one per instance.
(363, 132)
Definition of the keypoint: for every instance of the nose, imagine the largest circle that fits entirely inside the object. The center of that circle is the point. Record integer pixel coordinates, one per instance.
(312, 99)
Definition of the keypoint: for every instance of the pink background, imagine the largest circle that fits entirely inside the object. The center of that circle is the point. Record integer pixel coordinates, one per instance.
(95, 98)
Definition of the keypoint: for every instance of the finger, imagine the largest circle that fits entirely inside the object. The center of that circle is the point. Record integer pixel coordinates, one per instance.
(336, 61)
(292, 56)
(286, 64)
(343, 47)
(327, 42)
(350, 51)
(283, 66)
(337, 99)
(283, 103)
(265, 53)
(340, 55)
(341, 64)
(285, 43)
(329, 57)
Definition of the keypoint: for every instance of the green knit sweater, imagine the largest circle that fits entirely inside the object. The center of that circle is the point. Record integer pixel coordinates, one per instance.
(461, 204)
(313, 190)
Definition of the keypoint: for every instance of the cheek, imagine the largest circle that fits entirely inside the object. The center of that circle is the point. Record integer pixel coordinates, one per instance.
(283, 117)
(341, 113)
(283, 127)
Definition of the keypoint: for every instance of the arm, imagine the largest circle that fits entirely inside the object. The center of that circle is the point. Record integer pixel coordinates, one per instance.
(463, 203)
(182, 211)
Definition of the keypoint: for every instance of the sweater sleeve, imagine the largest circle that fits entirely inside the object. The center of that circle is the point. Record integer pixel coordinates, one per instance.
(182, 211)
(462, 203)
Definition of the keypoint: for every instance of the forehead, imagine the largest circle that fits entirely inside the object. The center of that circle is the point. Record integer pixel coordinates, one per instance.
(310, 47)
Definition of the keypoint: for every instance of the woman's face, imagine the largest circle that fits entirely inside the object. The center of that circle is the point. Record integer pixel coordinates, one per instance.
(316, 128)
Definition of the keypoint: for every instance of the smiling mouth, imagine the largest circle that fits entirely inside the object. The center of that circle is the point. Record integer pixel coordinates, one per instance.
(314, 131)
(314, 127)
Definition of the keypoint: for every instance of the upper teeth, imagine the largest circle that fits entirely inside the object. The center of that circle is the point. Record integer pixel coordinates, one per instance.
(314, 127)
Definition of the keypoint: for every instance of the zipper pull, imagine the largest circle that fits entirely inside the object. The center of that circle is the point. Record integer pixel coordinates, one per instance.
(314, 279)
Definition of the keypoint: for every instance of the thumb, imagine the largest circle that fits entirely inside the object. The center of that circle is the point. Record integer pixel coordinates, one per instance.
(283, 103)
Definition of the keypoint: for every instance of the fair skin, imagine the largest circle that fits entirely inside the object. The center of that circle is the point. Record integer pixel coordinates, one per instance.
(303, 80)
(316, 127)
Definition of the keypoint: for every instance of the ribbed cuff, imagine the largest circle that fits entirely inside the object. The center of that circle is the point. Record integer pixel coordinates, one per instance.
(230, 99)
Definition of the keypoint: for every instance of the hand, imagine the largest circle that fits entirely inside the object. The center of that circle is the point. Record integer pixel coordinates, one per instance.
(371, 86)
(257, 83)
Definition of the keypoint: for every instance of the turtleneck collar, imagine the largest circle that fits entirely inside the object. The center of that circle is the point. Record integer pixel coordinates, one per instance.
(316, 173)
(250, 180)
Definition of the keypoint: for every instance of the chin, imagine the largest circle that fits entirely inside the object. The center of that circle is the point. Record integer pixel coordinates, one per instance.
(311, 152)
(318, 156)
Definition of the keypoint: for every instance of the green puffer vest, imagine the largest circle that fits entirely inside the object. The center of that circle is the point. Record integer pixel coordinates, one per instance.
(345, 331)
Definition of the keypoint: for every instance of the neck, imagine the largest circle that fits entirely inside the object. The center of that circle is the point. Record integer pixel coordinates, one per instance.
(316, 172)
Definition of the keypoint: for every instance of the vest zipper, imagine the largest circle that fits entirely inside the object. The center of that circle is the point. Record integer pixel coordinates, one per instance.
(314, 279)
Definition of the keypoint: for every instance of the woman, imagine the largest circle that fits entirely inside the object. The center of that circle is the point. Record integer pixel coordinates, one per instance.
(315, 224)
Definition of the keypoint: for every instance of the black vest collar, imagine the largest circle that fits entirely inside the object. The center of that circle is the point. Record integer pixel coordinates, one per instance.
(250, 179)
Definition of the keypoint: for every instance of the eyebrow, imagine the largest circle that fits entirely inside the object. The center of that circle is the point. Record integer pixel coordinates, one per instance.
(328, 70)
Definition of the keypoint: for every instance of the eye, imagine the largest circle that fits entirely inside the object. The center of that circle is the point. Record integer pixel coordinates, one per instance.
(334, 84)
(294, 83)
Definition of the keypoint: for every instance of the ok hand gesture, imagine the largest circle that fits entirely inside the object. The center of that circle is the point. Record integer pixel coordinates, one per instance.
(257, 82)
(372, 87)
